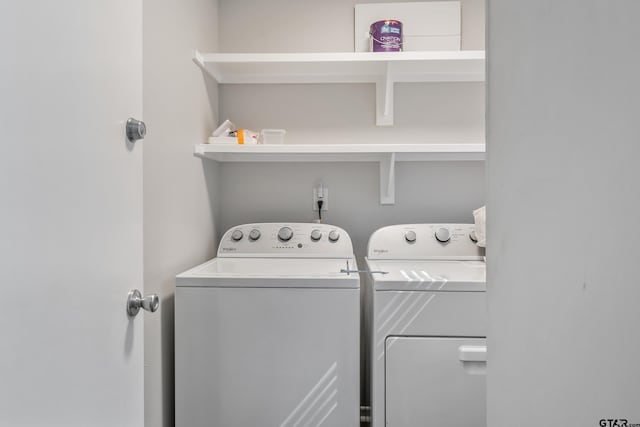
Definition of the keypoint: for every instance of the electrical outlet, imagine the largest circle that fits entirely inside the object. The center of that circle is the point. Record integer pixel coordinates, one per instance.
(320, 192)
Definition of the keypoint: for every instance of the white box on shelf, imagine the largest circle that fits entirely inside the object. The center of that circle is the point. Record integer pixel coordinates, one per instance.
(425, 25)
(272, 136)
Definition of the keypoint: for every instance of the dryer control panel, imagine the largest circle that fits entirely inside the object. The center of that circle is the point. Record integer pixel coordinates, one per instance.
(425, 241)
(290, 240)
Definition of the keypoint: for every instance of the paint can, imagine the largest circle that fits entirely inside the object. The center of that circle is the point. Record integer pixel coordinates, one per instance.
(385, 36)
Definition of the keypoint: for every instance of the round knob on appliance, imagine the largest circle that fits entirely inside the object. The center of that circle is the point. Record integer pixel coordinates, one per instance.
(334, 235)
(410, 236)
(473, 236)
(316, 235)
(443, 235)
(254, 234)
(285, 234)
(237, 235)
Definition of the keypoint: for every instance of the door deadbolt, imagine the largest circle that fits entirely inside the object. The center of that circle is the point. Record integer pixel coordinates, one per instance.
(136, 129)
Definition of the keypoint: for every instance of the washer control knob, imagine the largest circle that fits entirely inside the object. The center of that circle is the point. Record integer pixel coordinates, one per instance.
(410, 236)
(237, 235)
(254, 234)
(316, 235)
(334, 235)
(443, 235)
(285, 234)
(473, 236)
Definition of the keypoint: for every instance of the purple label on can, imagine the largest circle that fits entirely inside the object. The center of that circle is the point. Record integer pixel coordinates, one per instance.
(386, 36)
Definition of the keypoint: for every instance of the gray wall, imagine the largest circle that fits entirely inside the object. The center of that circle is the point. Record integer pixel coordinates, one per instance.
(179, 190)
(312, 26)
(430, 113)
(564, 339)
(438, 192)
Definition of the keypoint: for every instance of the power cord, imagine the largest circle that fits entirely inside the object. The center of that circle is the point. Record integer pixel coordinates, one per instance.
(320, 203)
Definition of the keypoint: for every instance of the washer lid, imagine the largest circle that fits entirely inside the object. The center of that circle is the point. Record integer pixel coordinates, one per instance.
(432, 275)
(272, 273)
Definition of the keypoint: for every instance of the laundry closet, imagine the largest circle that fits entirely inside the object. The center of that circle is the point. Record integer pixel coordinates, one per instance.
(397, 141)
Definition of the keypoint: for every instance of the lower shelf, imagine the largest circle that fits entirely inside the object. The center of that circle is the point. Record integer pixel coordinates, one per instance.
(385, 154)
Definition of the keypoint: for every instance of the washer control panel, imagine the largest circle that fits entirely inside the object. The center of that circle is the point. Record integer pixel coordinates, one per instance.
(425, 241)
(286, 240)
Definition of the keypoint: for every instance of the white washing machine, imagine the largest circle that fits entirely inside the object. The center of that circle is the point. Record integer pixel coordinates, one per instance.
(267, 333)
(426, 324)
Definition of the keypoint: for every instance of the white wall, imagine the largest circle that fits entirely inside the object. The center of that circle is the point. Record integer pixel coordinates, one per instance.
(180, 191)
(563, 204)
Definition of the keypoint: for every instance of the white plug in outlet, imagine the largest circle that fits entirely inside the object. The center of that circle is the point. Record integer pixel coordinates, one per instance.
(320, 192)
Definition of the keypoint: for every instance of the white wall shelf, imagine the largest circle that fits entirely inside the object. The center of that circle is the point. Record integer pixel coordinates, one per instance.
(381, 68)
(385, 154)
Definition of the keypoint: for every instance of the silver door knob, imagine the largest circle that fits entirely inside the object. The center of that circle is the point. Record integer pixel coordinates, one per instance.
(135, 302)
(136, 129)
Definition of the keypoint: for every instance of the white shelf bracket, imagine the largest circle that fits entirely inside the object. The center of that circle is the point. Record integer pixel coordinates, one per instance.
(384, 98)
(199, 61)
(388, 179)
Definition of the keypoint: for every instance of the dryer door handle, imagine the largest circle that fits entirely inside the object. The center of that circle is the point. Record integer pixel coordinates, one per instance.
(472, 353)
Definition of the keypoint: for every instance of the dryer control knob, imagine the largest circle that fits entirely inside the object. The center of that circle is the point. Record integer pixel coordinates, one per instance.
(254, 234)
(285, 234)
(316, 235)
(237, 235)
(443, 235)
(410, 236)
(334, 236)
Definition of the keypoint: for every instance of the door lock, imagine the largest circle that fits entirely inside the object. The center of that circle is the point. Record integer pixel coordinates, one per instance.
(136, 129)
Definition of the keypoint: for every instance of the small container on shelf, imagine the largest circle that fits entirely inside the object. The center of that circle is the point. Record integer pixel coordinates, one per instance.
(237, 137)
(386, 36)
(272, 136)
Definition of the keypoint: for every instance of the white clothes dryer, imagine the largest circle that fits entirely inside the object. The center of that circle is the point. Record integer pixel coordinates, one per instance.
(426, 326)
(267, 333)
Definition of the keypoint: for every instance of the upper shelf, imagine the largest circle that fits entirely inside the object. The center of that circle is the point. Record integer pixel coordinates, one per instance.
(344, 67)
(384, 69)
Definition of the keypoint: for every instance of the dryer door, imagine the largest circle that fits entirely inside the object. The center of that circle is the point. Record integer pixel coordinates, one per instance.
(435, 382)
